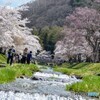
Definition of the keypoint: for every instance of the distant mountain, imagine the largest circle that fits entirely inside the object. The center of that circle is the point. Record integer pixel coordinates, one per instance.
(52, 12)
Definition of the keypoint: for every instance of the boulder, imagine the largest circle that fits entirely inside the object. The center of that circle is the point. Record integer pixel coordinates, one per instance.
(34, 78)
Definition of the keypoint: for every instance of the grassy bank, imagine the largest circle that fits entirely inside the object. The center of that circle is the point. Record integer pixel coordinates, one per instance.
(89, 72)
(10, 73)
(89, 84)
(2, 58)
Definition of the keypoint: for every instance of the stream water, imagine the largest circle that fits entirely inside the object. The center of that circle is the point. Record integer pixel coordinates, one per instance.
(44, 85)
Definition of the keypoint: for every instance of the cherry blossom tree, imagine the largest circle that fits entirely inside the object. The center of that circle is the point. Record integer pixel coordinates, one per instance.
(74, 45)
(13, 31)
(98, 1)
(88, 20)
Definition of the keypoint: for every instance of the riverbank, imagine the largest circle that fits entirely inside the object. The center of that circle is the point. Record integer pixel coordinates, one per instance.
(2, 58)
(88, 72)
(10, 73)
(44, 85)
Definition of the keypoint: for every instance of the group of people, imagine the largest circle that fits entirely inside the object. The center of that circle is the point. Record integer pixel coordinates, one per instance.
(12, 56)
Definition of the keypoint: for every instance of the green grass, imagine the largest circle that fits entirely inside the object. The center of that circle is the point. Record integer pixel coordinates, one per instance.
(89, 71)
(24, 69)
(7, 75)
(89, 84)
(10, 73)
(80, 69)
(2, 58)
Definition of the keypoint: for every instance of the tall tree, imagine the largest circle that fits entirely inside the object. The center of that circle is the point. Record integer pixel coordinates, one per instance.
(88, 20)
(73, 45)
(13, 31)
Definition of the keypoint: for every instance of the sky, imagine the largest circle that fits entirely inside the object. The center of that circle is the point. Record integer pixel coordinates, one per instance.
(13, 3)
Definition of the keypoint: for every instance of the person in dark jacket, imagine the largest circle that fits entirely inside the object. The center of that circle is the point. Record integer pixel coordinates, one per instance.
(24, 56)
(29, 57)
(10, 55)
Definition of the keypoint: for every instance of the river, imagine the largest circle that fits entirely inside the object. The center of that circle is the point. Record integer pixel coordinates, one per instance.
(43, 85)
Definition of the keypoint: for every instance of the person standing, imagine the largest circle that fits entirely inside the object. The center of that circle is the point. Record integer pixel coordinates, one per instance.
(20, 58)
(24, 57)
(29, 57)
(10, 55)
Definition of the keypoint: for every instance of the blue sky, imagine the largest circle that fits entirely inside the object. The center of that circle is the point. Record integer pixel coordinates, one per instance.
(13, 3)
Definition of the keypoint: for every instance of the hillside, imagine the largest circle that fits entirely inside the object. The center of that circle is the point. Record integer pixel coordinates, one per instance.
(52, 12)
(44, 15)
(47, 12)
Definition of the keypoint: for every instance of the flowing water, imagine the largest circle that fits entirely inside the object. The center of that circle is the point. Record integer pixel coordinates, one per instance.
(44, 85)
